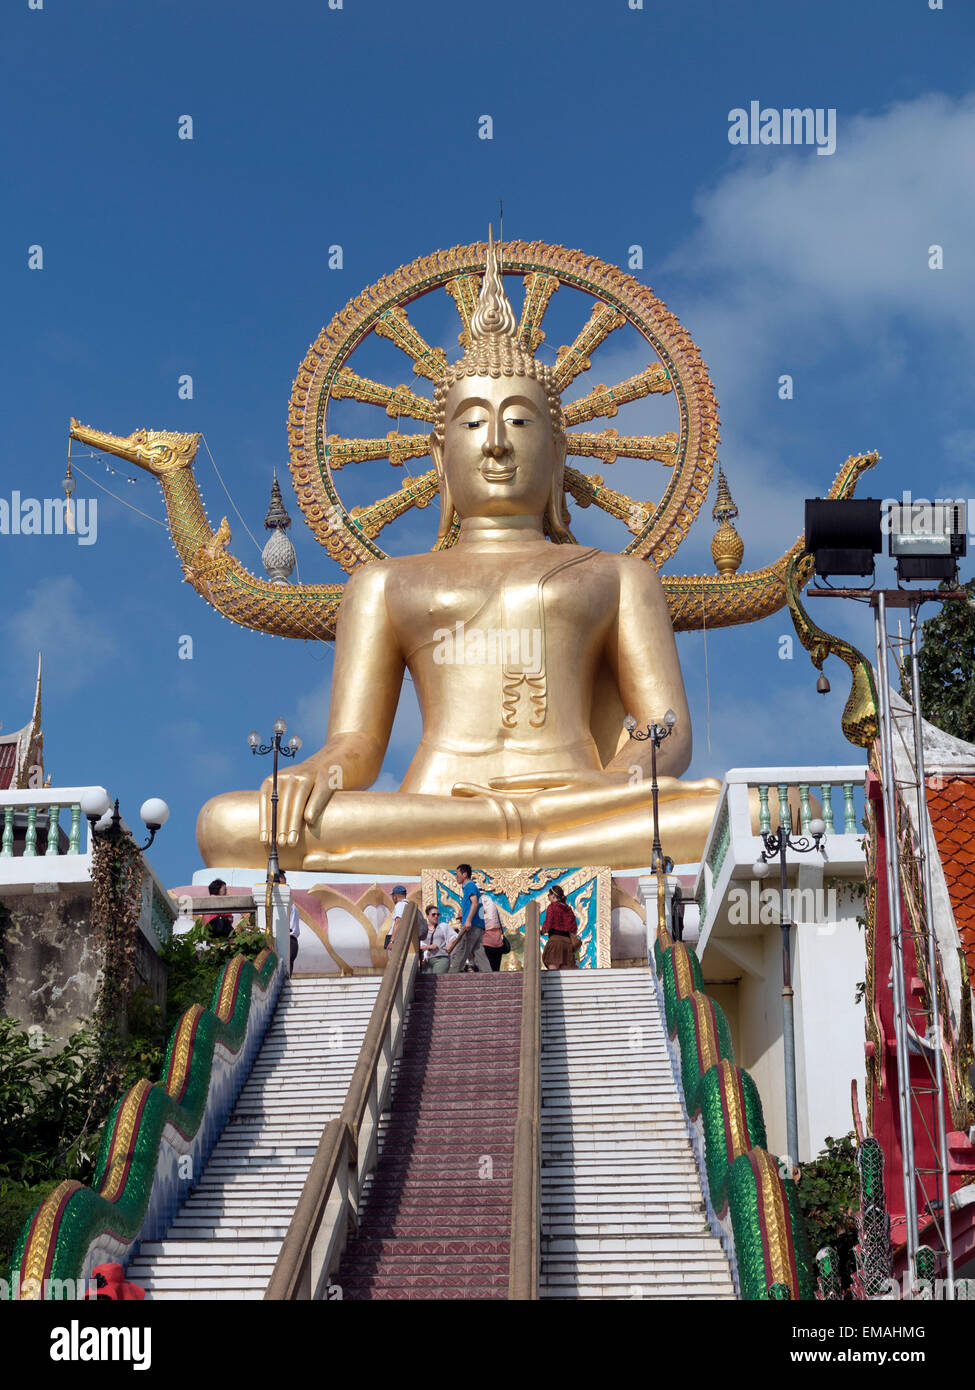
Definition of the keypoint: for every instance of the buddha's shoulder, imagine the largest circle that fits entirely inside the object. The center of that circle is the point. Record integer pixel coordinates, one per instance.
(629, 570)
(380, 575)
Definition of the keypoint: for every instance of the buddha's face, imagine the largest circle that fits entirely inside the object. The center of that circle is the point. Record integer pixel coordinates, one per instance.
(499, 453)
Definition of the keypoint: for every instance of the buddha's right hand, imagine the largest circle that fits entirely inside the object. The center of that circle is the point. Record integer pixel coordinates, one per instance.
(303, 794)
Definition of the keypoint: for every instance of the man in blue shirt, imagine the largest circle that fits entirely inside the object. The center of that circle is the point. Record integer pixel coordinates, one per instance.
(467, 945)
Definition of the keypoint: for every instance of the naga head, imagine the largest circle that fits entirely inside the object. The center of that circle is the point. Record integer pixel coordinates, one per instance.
(157, 451)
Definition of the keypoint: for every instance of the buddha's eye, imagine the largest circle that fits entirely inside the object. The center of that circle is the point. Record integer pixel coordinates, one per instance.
(472, 424)
(516, 420)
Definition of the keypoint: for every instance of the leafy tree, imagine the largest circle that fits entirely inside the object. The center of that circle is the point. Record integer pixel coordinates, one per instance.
(829, 1194)
(946, 667)
(54, 1103)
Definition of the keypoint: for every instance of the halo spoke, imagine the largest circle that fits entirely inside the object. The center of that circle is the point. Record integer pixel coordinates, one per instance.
(575, 358)
(415, 492)
(464, 290)
(539, 289)
(396, 447)
(608, 445)
(397, 400)
(427, 361)
(606, 400)
(589, 488)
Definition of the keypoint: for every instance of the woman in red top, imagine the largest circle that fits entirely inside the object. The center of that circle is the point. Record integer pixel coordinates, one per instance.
(561, 925)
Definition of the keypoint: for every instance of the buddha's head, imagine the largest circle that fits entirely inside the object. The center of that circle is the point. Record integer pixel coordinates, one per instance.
(498, 440)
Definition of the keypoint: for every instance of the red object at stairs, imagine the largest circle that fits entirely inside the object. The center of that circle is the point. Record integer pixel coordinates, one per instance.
(436, 1219)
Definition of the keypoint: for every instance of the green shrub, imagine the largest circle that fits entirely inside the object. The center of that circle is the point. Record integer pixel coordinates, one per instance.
(829, 1194)
(54, 1104)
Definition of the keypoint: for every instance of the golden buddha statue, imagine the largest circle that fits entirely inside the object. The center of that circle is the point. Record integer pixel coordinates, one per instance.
(524, 654)
(525, 648)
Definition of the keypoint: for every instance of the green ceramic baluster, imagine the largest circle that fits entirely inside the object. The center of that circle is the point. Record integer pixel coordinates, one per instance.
(827, 792)
(74, 837)
(7, 848)
(805, 810)
(30, 839)
(764, 818)
(52, 830)
(849, 810)
(785, 815)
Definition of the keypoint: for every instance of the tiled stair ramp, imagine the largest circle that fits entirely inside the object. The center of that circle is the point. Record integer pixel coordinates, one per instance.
(226, 1236)
(623, 1214)
(436, 1212)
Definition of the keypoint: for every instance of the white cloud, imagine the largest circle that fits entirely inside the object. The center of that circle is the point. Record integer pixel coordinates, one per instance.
(792, 249)
(55, 618)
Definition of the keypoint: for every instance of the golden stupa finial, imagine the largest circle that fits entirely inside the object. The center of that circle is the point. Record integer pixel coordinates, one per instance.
(724, 508)
(494, 316)
(727, 547)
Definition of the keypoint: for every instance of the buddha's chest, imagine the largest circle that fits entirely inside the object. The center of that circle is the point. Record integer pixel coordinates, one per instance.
(548, 605)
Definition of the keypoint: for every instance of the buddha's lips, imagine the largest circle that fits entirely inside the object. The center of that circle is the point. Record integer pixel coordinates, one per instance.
(498, 475)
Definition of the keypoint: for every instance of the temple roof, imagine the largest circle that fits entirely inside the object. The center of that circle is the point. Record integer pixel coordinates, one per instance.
(24, 748)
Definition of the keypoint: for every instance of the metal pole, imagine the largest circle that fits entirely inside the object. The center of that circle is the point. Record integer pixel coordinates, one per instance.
(896, 939)
(273, 867)
(936, 1031)
(788, 1015)
(656, 853)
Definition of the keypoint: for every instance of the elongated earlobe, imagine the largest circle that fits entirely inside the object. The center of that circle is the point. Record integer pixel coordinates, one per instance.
(446, 501)
(557, 513)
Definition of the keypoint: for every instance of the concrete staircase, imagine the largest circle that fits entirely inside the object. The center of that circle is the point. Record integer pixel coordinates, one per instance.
(436, 1219)
(227, 1235)
(623, 1213)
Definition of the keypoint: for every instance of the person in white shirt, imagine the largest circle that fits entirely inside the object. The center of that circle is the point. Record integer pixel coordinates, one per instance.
(398, 896)
(440, 936)
(294, 925)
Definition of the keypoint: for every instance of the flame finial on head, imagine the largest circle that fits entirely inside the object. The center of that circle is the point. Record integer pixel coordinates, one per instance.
(494, 315)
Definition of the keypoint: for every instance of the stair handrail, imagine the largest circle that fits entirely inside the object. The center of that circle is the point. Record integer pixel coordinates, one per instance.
(329, 1203)
(525, 1255)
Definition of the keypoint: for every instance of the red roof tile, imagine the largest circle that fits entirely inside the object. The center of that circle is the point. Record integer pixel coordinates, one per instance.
(951, 805)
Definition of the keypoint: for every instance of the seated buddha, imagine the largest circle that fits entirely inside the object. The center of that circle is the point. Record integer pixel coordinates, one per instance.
(526, 650)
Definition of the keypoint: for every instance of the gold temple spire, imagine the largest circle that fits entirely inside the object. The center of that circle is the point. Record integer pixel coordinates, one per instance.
(727, 547)
(724, 508)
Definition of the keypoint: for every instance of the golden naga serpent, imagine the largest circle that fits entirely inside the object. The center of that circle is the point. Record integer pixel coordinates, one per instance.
(310, 611)
(859, 720)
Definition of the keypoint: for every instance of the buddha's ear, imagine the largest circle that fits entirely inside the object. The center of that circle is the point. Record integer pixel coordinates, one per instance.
(557, 513)
(436, 453)
(446, 501)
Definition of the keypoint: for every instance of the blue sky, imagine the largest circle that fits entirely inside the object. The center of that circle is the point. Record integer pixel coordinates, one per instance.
(358, 126)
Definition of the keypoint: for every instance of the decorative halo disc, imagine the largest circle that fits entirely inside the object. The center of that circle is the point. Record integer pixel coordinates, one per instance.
(326, 376)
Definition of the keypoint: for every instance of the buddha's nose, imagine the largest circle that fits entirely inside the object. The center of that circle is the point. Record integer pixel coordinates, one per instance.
(494, 449)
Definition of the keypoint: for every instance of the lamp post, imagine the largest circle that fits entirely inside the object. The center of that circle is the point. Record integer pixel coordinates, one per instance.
(776, 844)
(274, 747)
(656, 733)
(95, 804)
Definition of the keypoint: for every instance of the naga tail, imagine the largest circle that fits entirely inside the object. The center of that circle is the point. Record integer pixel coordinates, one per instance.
(859, 717)
(724, 600)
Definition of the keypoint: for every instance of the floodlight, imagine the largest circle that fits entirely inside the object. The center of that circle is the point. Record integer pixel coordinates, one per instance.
(843, 536)
(926, 538)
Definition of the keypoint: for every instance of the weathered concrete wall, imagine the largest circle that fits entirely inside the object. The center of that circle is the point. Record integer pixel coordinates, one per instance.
(49, 970)
(150, 971)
